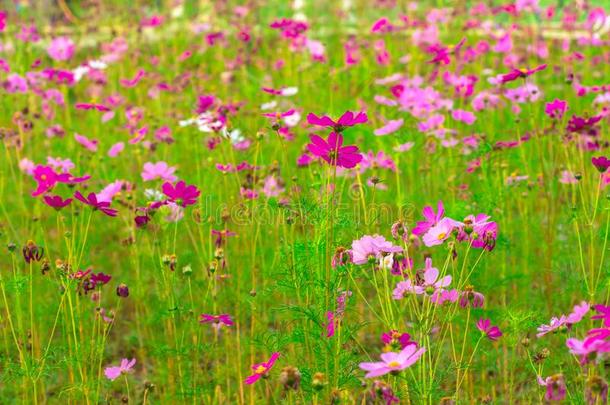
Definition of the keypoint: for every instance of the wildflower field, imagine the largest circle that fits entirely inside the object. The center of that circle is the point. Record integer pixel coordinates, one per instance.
(304, 202)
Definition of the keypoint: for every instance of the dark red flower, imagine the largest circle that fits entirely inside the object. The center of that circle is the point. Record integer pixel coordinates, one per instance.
(601, 163)
(56, 201)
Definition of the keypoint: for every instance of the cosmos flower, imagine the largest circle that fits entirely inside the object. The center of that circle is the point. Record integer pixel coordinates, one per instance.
(555, 387)
(392, 362)
(602, 163)
(492, 332)
(181, 193)
(440, 232)
(217, 321)
(556, 109)
(348, 119)
(261, 369)
(369, 249)
(390, 127)
(92, 201)
(114, 372)
(56, 201)
(160, 170)
(61, 49)
(520, 73)
(333, 151)
(432, 219)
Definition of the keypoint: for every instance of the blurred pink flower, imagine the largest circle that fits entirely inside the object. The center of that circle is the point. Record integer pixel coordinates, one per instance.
(160, 170)
(114, 372)
(61, 49)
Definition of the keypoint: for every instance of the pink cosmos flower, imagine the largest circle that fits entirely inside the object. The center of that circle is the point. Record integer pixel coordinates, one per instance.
(556, 108)
(272, 187)
(91, 200)
(440, 232)
(217, 321)
(369, 249)
(394, 338)
(61, 49)
(393, 362)
(464, 116)
(492, 332)
(390, 127)
(333, 151)
(554, 325)
(112, 189)
(89, 144)
(520, 73)
(555, 387)
(579, 311)
(431, 219)
(348, 119)
(567, 177)
(261, 369)
(182, 194)
(160, 170)
(330, 324)
(604, 314)
(47, 178)
(56, 201)
(602, 163)
(114, 372)
(116, 149)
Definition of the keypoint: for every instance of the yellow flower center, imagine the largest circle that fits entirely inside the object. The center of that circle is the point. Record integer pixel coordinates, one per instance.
(260, 370)
(441, 236)
(393, 364)
(523, 70)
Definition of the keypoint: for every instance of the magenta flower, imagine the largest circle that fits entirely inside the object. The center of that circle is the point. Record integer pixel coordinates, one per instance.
(395, 339)
(348, 119)
(47, 178)
(520, 73)
(92, 201)
(556, 108)
(181, 194)
(56, 201)
(369, 249)
(604, 314)
(160, 170)
(330, 324)
(261, 369)
(114, 372)
(492, 332)
(431, 219)
(204, 103)
(393, 362)
(332, 151)
(217, 321)
(61, 49)
(555, 387)
(602, 163)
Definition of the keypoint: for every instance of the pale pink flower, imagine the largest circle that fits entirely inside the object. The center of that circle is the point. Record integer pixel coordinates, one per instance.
(440, 232)
(61, 49)
(393, 362)
(89, 144)
(160, 170)
(114, 372)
